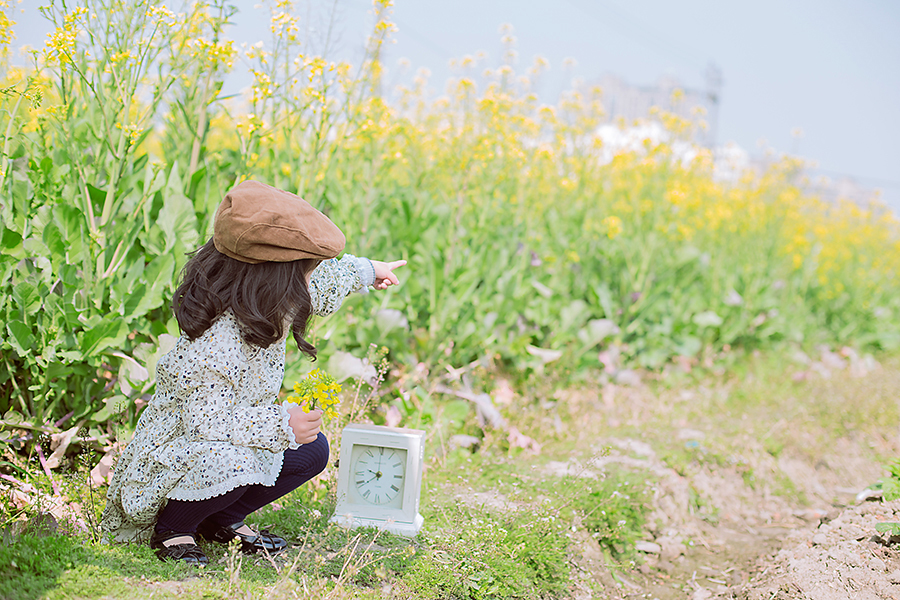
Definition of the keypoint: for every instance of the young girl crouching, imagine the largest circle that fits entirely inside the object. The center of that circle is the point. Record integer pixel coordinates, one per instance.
(212, 446)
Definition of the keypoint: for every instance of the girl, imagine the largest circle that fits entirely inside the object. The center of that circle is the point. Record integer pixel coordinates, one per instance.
(211, 447)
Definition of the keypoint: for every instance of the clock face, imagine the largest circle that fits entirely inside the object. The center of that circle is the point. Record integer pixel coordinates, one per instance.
(379, 474)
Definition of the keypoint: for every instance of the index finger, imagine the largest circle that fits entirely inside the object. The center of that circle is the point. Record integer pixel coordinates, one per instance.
(397, 263)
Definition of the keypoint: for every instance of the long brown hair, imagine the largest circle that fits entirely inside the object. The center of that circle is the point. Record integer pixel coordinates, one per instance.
(261, 296)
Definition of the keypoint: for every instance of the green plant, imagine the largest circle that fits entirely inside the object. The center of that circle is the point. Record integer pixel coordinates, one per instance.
(529, 247)
(614, 511)
(35, 565)
(890, 485)
(92, 231)
(476, 554)
(889, 528)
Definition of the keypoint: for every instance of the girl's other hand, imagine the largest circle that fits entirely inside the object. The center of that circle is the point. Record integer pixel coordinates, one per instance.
(384, 273)
(305, 425)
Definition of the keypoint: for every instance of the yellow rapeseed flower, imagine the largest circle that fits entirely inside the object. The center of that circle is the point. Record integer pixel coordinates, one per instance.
(613, 225)
(317, 390)
(7, 35)
(60, 46)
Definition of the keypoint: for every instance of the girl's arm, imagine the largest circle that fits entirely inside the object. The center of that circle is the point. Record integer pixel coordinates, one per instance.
(333, 280)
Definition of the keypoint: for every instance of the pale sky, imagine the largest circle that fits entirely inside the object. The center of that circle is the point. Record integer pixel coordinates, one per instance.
(830, 68)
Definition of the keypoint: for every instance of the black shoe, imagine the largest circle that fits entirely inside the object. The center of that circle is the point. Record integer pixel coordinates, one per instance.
(191, 554)
(259, 542)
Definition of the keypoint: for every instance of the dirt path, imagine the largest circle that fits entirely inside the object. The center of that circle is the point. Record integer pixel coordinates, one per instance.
(752, 500)
(759, 546)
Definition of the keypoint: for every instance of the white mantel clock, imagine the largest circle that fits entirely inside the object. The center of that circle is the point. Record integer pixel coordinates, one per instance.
(380, 478)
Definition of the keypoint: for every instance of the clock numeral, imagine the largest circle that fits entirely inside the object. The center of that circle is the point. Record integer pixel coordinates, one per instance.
(366, 495)
(396, 465)
(395, 488)
(360, 482)
(398, 476)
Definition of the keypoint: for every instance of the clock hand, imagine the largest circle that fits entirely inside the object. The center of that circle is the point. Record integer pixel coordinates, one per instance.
(377, 475)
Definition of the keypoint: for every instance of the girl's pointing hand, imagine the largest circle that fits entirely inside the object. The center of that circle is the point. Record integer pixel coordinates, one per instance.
(384, 273)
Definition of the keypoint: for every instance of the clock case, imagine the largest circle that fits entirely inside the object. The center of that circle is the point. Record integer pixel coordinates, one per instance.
(351, 512)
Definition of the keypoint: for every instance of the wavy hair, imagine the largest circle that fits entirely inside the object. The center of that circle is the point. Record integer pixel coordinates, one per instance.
(262, 297)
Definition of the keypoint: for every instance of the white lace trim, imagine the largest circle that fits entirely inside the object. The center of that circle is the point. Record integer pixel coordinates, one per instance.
(286, 424)
(235, 481)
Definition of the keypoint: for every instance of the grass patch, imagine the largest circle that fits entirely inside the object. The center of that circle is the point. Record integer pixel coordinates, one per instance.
(476, 554)
(59, 566)
(614, 511)
(470, 548)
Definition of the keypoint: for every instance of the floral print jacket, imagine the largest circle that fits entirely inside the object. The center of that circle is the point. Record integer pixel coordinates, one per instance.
(212, 424)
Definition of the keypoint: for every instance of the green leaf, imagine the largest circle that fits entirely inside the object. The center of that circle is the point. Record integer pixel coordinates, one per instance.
(97, 195)
(596, 331)
(890, 487)
(149, 354)
(889, 527)
(131, 374)
(158, 276)
(35, 247)
(686, 254)
(111, 407)
(110, 331)
(69, 275)
(177, 218)
(133, 301)
(13, 417)
(573, 316)
(707, 319)
(604, 298)
(541, 289)
(72, 225)
(11, 243)
(688, 346)
(27, 298)
(20, 337)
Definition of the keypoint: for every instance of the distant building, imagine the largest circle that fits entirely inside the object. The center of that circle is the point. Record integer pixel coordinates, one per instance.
(623, 101)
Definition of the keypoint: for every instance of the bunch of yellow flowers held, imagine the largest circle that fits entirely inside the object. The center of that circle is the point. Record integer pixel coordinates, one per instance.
(319, 390)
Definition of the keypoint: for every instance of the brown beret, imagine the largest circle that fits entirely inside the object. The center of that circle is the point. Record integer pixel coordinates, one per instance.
(257, 223)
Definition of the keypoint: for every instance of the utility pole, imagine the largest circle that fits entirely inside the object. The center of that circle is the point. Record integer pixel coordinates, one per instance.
(713, 75)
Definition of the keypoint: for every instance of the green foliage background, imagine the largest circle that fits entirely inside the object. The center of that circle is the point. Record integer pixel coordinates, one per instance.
(526, 247)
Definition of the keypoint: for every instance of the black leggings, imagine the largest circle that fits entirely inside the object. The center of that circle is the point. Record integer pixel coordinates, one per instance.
(299, 466)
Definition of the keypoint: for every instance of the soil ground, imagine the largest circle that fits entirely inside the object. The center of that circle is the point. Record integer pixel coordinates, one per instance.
(756, 482)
